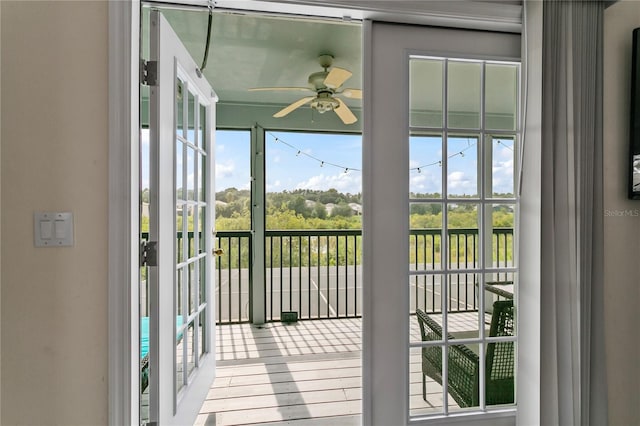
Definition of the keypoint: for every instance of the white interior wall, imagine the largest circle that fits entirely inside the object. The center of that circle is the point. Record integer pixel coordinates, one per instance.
(621, 221)
(54, 124)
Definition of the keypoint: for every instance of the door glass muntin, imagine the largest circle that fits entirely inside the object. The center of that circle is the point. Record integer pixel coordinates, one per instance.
(191, 222)
(471, 149)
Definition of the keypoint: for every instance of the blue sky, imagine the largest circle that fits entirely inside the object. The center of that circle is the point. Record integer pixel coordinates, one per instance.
(308, 161)
(295, 161)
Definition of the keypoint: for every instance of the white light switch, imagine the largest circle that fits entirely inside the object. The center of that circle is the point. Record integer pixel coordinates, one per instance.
(45, 229)
(53, 229)
(61, 229)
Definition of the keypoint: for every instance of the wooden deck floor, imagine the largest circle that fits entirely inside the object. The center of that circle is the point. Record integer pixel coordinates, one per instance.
(308, 373)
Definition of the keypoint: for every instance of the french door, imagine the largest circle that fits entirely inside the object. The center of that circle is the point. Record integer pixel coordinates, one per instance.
(426, 92)
(181, 321)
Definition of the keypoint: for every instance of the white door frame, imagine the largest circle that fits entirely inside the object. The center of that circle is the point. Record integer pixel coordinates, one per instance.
(124, 148)
(124, 143)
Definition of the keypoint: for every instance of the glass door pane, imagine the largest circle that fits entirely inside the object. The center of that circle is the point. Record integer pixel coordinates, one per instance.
(478, 236)
(192, 210)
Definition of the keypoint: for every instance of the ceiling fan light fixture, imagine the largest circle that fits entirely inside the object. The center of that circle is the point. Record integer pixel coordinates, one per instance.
(324, 102)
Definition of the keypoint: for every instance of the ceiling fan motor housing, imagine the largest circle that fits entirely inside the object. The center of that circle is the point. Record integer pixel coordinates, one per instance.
(316, 81)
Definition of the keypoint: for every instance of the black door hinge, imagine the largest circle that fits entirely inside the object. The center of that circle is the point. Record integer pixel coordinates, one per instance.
(149, 253)
(149, 72)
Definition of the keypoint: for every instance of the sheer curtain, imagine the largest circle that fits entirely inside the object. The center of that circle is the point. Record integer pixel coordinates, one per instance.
(573, 387)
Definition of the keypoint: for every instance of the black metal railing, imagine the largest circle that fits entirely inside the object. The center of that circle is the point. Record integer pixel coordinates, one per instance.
(318, 273)
(233, 271)
(463, 255)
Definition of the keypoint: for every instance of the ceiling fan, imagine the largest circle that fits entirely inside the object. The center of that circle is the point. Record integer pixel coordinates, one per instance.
(327, 86)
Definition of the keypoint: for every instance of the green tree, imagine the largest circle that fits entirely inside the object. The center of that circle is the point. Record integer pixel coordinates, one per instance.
(319, 211)
(342, 209)
(299, 205)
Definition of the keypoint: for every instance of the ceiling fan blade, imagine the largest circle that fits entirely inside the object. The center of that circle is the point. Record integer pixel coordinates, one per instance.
(336, 77)
(296, 104)
(345, 113)
(351, 93)
(289, 89)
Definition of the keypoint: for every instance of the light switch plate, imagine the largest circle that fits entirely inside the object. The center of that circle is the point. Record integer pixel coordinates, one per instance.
(53, 229)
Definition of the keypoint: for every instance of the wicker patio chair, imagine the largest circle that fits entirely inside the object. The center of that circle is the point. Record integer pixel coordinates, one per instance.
(463, 365)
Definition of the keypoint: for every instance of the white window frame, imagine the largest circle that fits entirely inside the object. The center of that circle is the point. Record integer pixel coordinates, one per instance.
(124, 144)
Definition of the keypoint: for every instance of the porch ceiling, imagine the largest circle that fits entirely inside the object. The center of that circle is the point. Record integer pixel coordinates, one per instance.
(251, 50)
(258, 51)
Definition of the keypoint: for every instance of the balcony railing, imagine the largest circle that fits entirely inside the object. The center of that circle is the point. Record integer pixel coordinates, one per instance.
(318, 273)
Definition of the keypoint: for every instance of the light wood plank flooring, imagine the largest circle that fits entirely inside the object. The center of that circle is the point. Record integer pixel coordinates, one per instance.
(308, 373)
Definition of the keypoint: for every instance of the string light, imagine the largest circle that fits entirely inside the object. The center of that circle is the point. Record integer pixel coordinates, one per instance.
(500, 142)
(418, 169)
(439, 162)
(300, 152)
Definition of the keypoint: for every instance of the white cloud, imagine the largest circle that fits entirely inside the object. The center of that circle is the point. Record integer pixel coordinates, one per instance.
(225, 170)
(503, 167)
(275, 186)
(418, 184)
(350, 182)
(502, 179)
(427, 181)
(504, 152)
(419, 179)
(460, 183)
(413, 164)
(219, 148)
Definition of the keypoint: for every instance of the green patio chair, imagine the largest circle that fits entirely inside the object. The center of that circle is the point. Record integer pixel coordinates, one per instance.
(463, 363)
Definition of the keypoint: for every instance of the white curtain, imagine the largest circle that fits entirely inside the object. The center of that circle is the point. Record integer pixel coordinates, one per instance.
(573, 376)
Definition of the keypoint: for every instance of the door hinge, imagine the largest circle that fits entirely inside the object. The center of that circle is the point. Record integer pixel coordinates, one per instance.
(149, 72)
(149, 253)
